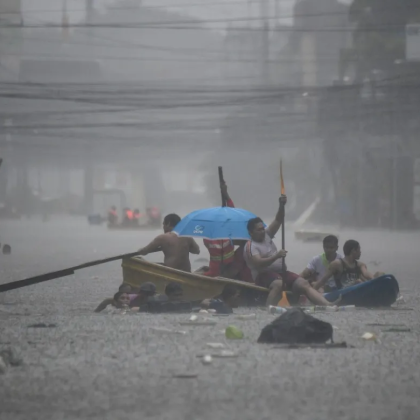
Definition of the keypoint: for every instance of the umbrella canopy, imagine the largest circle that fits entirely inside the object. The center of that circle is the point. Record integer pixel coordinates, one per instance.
(216, 223)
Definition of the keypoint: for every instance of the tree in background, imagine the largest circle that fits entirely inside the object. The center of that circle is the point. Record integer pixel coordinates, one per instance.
(379, 36)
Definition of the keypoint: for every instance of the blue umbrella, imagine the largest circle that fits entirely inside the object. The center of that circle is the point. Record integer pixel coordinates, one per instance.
(216, 223)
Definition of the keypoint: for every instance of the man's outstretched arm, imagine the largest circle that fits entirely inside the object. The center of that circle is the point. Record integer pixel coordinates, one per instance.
(154, 246)
(277, 222)
(332, 270)
(223, 188)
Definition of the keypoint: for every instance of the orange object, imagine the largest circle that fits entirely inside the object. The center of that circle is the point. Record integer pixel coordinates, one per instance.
(283, 190)
(284, 302)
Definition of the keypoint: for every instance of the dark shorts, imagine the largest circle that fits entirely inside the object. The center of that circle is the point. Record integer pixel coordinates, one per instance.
(265, 279)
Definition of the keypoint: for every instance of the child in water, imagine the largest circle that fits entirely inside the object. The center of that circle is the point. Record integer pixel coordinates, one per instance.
(124, 288)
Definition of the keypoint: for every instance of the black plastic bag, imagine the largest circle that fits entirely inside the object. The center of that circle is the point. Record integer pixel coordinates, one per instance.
(295, 326)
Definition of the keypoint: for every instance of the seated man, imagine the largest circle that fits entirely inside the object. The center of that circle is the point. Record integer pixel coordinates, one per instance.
(346, 271)
(176, 250)
(318, 266)
(264, 260)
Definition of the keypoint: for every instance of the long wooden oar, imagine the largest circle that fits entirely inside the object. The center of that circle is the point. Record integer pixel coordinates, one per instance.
(61, 273)
(283, 239)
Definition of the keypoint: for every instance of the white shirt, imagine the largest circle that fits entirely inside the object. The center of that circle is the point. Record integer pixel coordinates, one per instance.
(319, 265)
(264, 249)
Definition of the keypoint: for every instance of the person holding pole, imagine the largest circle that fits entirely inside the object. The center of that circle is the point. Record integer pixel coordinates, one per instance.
(268, 265)
(221, 250)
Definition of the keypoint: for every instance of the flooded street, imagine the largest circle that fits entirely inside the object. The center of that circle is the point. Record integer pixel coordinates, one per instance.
(112, 367)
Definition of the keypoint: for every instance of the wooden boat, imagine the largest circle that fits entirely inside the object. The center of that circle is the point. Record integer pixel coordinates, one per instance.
(379, 292)
(196, 287)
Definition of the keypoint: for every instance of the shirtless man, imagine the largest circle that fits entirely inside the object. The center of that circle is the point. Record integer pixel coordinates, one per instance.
(346, 271)
(175, 249)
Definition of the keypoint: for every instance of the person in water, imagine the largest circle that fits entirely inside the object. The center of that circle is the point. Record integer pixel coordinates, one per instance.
(121, 300)
(317, 267)
(176, 250)
(346, 271)
(146, 292)
(124, 288)
(174, 292)
(223, 304)
(266, 265)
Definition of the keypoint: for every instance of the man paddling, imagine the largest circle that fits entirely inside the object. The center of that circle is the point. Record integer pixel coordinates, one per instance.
(346, 271)
(265, 262)
(175, 249)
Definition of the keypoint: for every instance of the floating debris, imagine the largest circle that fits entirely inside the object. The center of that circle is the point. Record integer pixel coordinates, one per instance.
(369, 336)
(234, 333)
(342, 345)
(216, 345)
(378, 324)
(397, 330)
(207, 359)
(246, 317)
(185, 375)
(203, 311)
(42, 325)
(198, 323)
(224, 354)
(168, 331)
(193, 318)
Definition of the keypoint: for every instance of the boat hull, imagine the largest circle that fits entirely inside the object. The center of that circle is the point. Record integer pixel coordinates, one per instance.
(137, 271)
(379, 292)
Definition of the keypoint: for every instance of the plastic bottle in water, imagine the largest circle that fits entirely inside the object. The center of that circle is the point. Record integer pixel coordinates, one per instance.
(346, 308)
(319, 308)
(247, 316)
(276, 310)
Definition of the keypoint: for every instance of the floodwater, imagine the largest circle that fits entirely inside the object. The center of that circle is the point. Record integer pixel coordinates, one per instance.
(112, 367)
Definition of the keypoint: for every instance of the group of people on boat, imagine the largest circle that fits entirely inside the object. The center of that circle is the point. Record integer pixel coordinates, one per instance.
(259, 261)
(131, 218)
